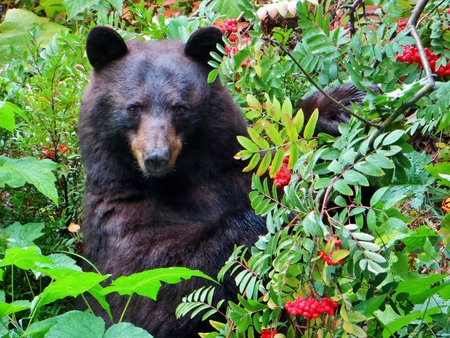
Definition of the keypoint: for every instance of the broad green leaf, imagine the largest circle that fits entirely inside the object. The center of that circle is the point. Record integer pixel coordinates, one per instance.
(148, 283)
(15, 26)
(264, 165)
(13, 307)
(126, 330)
(64, 262)
(70, 285)
(75, 7)
(311, 125)
(228, 8)
(369, 169)
(17, 172)
(117, 4)
(76, 324)
(24, 258)
(343, 187)
(7, 119)
(20, 236)
(38, 329)
(52, 7)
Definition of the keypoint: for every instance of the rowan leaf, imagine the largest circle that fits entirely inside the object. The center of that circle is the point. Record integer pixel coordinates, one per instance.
(311, 125)
(148, 283)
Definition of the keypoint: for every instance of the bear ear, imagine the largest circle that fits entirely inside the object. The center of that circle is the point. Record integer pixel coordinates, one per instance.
(104, 45)
(204, 41)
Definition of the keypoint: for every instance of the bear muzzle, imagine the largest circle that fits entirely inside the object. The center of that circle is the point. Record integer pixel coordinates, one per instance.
(156, 161)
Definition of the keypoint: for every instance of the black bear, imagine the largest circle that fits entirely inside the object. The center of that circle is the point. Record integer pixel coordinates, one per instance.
(162, 186)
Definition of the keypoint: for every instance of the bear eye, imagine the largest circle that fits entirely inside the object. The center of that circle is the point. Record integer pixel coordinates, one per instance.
(133, 109)
(180, 110)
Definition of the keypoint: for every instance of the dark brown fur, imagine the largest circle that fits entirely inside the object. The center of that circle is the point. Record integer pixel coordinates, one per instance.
(331, 115)
(162, 186)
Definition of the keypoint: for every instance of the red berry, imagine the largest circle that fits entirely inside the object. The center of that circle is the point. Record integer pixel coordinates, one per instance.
(268, 333)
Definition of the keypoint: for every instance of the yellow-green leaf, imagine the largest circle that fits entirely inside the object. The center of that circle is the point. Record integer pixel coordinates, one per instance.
(291, 131)
(264, 164)
(299, 120)
(293, 156)
(354, 329)
(257, 139)
(337, 255)
(287, 107)
(253, 103)
(272, 132)
(311, 125)
(247, 143)
(276, 111)
(253, 162)
(277, 162)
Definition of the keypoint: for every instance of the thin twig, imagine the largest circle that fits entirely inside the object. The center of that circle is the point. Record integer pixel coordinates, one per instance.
(315, 84)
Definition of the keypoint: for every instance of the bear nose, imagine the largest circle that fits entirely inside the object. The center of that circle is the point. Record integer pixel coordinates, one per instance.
(156, 161)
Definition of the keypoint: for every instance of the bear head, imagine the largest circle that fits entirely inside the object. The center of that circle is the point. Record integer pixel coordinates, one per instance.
(152, 100)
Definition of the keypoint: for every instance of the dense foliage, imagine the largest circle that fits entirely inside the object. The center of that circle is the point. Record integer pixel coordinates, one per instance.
(358, 225)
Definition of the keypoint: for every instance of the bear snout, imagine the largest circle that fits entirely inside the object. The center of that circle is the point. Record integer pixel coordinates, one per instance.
(156, 161)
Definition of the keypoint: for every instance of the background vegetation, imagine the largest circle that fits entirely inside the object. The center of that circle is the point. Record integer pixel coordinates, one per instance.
(357, 244)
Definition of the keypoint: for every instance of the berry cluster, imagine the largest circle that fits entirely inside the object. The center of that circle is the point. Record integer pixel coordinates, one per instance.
(229, 25)
(326, 258)
(283, 176)
(311, 308)
(230, 28)
(268, 333)
(401, 26)
(411, 55)
(51, 153)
